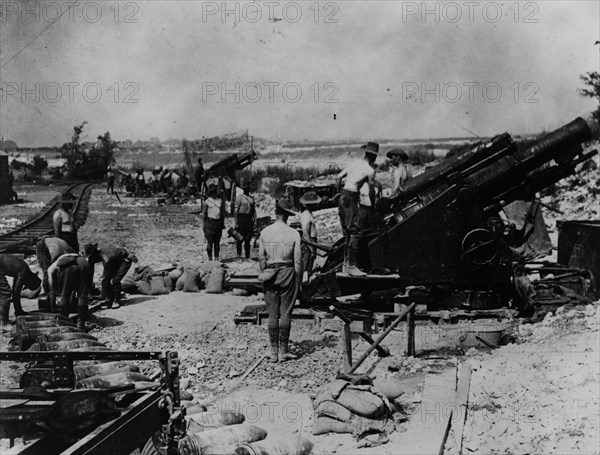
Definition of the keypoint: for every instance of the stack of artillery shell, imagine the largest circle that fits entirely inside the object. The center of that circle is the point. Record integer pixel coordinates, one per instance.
(223, 431)
(53, 332)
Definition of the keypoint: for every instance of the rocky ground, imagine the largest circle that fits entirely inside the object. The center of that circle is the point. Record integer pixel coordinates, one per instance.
(537, 395)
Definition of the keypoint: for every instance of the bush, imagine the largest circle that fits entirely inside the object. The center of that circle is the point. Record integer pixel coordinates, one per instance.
(421, 156)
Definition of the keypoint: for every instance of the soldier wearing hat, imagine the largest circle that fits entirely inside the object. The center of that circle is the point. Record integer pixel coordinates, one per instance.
(214, 222)
(116, 262)
(245, 216)
(400, 170)
(310, 200)
(64, 223)
(280, 263)
(356, 175)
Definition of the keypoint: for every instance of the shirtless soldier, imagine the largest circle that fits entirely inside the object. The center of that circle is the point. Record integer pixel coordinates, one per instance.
(356, 174)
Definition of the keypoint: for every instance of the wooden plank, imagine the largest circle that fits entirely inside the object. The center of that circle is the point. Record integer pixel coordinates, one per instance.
(429, 424)
(462, 402)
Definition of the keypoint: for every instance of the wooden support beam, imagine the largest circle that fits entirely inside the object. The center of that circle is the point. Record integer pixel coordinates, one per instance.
(410, 319)
(347, 346)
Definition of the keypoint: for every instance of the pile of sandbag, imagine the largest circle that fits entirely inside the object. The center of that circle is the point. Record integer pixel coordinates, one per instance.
(53, 332)
(344, 407)
(224, 431)
(147, 281)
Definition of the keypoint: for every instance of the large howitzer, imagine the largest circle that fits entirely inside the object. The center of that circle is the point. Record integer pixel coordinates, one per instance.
(444, 230)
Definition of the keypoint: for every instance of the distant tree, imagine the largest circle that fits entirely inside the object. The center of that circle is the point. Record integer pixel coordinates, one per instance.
(8, 145)
(87, 161)
(38, 165)
(592, 90)
(18, 165)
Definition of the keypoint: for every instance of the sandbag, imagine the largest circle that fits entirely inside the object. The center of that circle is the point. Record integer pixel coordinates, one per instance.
(277, 445)
(207, 267)
(188, 281)
(362, 400)
(87, 371)
(157, 286)
(388, 387)
(169, 283)
(216, 281)
(129, 286)
(143, 287)
(203, 421)
(220, 440)
(175, 274)
(64, 345)
(111, 380)
(143, 273)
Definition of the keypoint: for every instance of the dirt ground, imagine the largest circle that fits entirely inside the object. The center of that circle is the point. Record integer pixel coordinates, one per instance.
(536, 395)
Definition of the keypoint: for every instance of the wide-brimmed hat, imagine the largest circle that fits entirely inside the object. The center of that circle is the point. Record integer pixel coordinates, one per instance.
(310, 197)
(397, 153)
(90, 248)
(371, 147)
(286, 206)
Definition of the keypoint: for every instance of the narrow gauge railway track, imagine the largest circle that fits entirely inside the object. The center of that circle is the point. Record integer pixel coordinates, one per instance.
(23, 238)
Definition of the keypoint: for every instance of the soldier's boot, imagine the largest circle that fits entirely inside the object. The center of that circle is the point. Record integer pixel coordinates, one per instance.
(346, 253)
(352, 269)
(81, 316)
(4, 309)
(284, 340)
(274, 340)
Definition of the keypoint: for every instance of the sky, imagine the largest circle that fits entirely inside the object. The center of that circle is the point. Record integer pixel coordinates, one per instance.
(364, 70)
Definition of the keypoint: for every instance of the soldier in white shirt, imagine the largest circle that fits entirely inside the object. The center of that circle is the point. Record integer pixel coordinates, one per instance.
(356, 174)
(214, 222)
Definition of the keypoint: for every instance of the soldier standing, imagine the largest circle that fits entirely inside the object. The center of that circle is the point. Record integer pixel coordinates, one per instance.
(245, 216)
(356, 174)
(281, 272)
(214, 222)
(64, 222)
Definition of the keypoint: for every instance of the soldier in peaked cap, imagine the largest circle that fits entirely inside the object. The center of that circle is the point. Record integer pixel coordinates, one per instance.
(356, 175)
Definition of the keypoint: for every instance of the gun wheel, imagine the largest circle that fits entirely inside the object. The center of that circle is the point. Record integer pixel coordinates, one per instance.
(480, 247)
